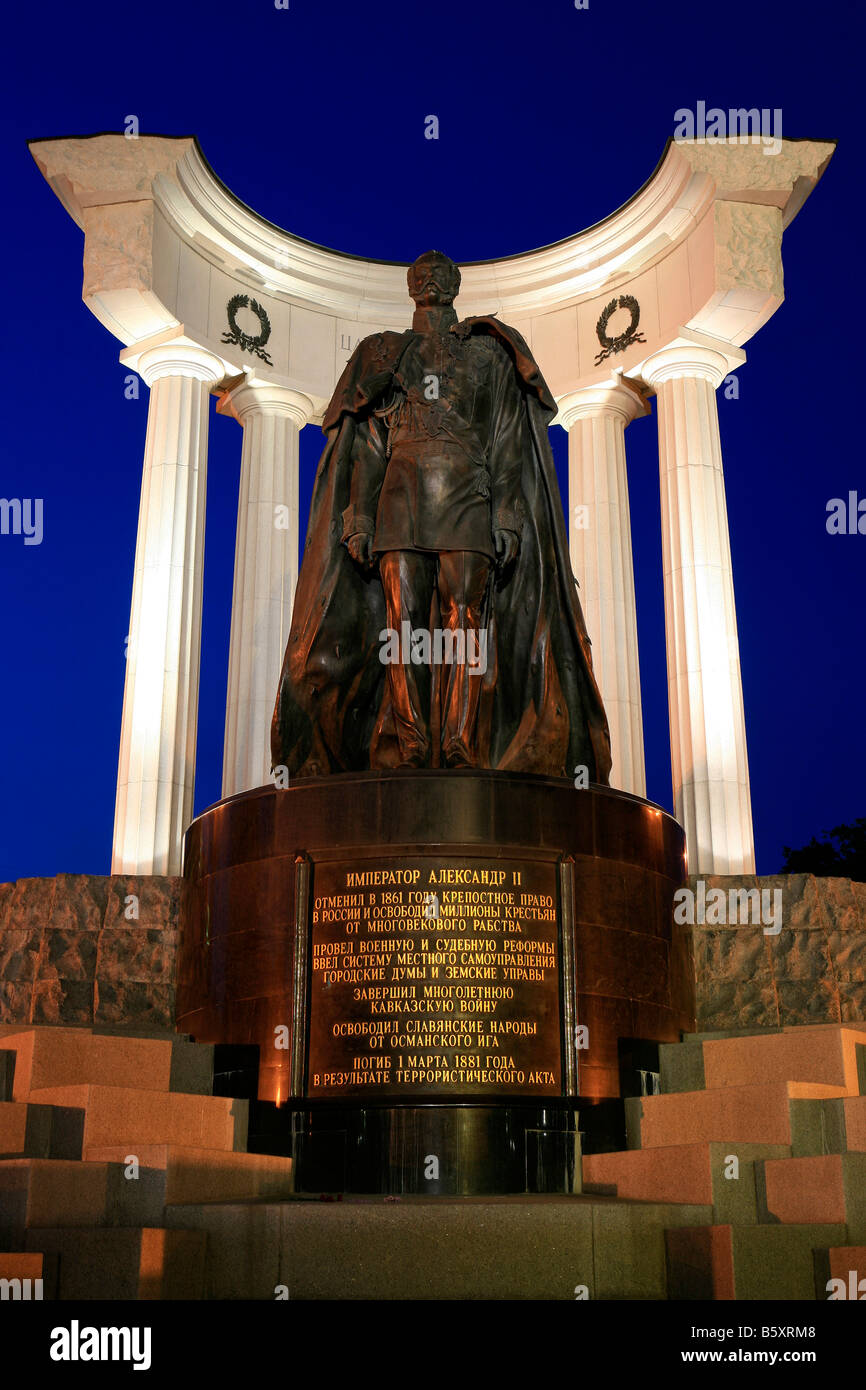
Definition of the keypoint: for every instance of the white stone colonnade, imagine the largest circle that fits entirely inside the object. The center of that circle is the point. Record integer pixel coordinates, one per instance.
(600, 545)
(206, 296)
(266, 572)
(156, 772)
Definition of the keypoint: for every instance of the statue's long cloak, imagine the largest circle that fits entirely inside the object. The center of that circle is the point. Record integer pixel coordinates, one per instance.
(541, 710)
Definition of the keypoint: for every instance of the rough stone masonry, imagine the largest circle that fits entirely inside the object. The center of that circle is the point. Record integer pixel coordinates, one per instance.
(84, 949)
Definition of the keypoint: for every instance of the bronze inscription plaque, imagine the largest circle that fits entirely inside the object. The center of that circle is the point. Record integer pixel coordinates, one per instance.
(434, 976)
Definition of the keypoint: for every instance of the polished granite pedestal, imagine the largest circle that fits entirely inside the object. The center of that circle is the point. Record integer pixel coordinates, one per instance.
(446, 974)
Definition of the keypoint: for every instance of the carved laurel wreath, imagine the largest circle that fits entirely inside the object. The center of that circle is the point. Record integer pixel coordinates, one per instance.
(246, 341)
(631, 335)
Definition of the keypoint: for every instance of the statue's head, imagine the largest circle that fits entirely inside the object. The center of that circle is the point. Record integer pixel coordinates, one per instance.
(433, 279)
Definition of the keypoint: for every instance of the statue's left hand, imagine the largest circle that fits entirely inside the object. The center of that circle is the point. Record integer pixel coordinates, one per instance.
(360, 547)
(507, 543)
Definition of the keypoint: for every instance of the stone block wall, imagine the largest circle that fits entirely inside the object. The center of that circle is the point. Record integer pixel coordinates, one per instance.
(73, 951)
(813, 970)
(84, 949)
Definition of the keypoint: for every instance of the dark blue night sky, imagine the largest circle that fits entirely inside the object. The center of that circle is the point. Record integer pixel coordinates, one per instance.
(550, 118)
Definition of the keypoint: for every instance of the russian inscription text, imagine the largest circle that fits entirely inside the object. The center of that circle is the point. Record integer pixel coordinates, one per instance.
(436, 975)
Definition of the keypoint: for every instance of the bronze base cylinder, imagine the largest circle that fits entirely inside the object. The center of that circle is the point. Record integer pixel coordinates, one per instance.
(583, 966)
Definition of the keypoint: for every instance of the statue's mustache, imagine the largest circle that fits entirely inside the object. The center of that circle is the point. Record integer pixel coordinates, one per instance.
(432, 284)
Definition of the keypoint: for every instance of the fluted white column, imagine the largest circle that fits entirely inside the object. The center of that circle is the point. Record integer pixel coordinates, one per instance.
(266, 571)
(705, 692)
(600, 544)
(156, 769)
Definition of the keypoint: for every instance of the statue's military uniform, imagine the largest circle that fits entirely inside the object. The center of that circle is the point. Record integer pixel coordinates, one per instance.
(436, 469)
(438, 465)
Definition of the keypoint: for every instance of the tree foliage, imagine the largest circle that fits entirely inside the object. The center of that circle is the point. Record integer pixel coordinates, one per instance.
(839, 854)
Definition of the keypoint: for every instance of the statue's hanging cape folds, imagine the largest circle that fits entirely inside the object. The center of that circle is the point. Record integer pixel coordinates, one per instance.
(541, 710)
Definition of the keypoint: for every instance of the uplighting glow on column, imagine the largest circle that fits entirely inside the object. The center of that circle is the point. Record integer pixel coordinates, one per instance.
(709, 761)
(599, 534)
(156, 767)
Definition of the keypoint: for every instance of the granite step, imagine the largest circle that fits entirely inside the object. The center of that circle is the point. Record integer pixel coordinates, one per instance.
(25, 1130)
(205, 1175)
(846, 1264)
(721, 1175)
(766, 1263)
(468, 1249)
(45, 1192)
(111, 1191)
(854, 1113)
(7, 1075)
(119, 1115)
(124, 1263)
(831, 1054)
(51, 1057)
(823, 1188)
(803, 1115)
(27, 1276)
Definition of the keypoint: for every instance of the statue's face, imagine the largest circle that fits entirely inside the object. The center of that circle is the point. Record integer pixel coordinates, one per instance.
(433, 279)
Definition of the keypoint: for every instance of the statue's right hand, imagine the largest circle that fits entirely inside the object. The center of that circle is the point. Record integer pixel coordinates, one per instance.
(360, 547)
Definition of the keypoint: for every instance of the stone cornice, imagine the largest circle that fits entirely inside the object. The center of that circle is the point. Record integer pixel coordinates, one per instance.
(103, 169)
(167, 243)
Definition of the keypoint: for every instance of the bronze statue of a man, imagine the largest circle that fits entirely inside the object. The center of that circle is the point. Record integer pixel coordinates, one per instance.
(436, 513)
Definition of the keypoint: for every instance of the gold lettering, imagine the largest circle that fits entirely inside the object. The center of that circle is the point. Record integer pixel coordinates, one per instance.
(450, 1003)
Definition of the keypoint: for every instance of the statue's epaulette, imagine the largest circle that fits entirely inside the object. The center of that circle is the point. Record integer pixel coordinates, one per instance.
(381, 346)
(517, 349)
(366, 375)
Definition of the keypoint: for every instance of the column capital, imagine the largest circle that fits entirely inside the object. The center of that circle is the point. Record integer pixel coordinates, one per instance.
(252, 396)
(692, 355)
(174, 353)
(179, 359)
(615, 397)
